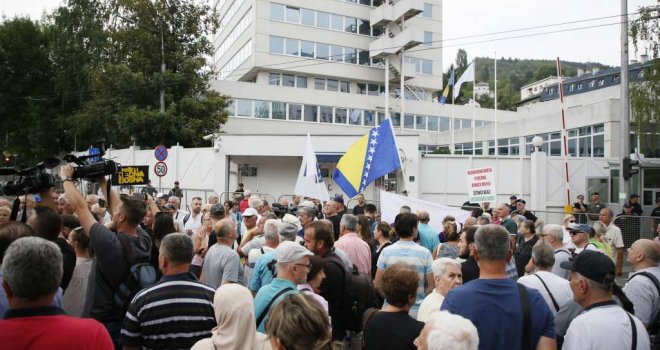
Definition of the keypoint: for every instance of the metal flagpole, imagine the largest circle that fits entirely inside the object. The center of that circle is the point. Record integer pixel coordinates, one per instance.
(567, 207)
(624, 184)
(495, 96)
(387, 81)
(452, 119)
(474, 104)
(403, 86)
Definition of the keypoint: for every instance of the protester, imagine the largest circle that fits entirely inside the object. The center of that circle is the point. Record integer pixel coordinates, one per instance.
(382, 234)
(594, 208)
(315, 276)
(449, 249)
(392, 327)
(484, 300)
(200, 245)
(330, 210)
(643, 288)
(365, 232)
(222, 264)
(524, 245)
(442, 236)
(32, 270)
(297, 322)
(264, 268)
(358, 251)
(305, 215)
(75, 297)
(271, 240)
(193, 220)
(444, 331)
(407, 251)
(447, 276)
(603, 324)
(293, 266)
(600, 238)
(580, 237)
(469, 267)
(507, 221)
(10, 232)
(5, 212)
(177, 311)
(359, 207)
(554, 235)
(428, 237)
(555, 290)
(254, 239)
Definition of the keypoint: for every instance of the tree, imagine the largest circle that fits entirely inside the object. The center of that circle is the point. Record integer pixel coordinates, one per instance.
(461, 62)
(645, 95)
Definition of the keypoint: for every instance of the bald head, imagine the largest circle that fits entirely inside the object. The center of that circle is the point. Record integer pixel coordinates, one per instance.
(648, 248)
(423, 216)
(224, 228)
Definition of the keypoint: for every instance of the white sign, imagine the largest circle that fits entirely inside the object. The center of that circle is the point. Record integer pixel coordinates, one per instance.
(160, 169)
(391, 203)
(481, 185)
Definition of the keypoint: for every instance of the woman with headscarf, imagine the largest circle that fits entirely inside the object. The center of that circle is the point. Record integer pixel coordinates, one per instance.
(236, 329)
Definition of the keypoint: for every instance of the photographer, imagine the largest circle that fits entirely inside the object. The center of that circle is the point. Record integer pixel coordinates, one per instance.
(111, 264)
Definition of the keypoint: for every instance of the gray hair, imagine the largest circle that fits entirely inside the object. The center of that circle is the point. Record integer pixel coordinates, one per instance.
(288, 231)
(32, 268)
(439, 266)
(483, 220)
(174, 198)
(554, 230)
(600, 228)
(470, 221)
(255, 202)
(423, 216)
(309, 211)
(543, 255)
(269, 216)
(492, 242)
(450, 331)
(178, 248)
(271, 230)
(349, 221)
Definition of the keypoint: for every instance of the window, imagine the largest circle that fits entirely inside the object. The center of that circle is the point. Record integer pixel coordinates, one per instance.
(428, 39)
(601, 82)
(364, 27)
(262, 109)
(444, 123)
(295, 111)
(243, 108)
(408, 121)
(323, 20)
(311, 113)
(230, 108)
(571, 87)
(579, 86)
(248, 171)
(337, 22)
(307, 17)
(277, 11)
(432, 123)
(350, 55)
(362, 88)
(355, 117)
(341, 115)
(301, 82)
(372, 89)
(326, 114)
(319, 84)
(592, 83)
(616, 78)
(333, 85)
(279, 110)
(363, 57)
(322, 51)
(274, 79)
(369, 118)
(276, 44)
(292, 14)
(307, 49)
(293, 47)
(350, 24)
(336, 53)
(428, 10)
(345, 86)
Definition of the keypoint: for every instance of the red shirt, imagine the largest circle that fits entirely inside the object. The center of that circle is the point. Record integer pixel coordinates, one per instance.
(243, 205)
(49, 328)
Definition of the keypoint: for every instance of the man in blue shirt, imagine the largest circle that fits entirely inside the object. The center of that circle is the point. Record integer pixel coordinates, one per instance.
(493, 302)
(428, 237)
(292, 268)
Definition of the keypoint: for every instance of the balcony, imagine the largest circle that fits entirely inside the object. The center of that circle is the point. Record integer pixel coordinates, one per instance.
(404, 9)
(407, 39)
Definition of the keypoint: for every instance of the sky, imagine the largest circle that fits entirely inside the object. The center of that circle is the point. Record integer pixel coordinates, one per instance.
(478, 17)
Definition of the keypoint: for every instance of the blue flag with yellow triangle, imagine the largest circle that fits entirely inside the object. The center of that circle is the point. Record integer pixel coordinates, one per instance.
(450, 83)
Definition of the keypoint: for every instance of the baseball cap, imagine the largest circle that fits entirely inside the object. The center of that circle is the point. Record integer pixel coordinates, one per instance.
(573, 227)
(250, 212)
(291, 219)
(289, 251)
(521, 201)
(339, 199)
(595, 194)
(308, 204)
(634, 195)
(627, 205)
(513, 197)
(593, 265)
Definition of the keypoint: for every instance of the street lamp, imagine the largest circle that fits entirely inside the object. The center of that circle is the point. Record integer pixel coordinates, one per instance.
(537, 141)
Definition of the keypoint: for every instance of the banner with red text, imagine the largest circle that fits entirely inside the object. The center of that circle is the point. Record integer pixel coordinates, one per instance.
(481, 185)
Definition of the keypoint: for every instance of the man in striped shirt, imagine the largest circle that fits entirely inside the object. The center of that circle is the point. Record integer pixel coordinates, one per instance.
(177, 311)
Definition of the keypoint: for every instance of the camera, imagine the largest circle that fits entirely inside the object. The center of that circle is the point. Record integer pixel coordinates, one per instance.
(280, 210)
(92, 166)
(30, 180)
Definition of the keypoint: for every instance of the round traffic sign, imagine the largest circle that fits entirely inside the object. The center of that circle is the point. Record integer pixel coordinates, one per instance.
(160, 153)
(160, 169)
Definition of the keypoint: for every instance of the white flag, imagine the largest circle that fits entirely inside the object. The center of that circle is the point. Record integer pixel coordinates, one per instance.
(468, 75)
(310, 182)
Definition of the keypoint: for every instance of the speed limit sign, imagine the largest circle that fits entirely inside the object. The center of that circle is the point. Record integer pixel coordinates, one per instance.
(160, 169)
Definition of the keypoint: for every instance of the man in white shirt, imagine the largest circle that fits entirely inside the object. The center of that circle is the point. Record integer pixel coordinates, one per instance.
(174, 204)
(603, 324)
(580, 237)
(554, 289)
(447, 275)
(614, 238)
(643, 290)
(193, 221)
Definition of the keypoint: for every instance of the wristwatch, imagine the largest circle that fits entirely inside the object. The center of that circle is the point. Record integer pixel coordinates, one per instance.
(67, 178)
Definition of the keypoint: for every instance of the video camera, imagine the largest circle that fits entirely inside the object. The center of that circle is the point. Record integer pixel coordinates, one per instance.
(280, 210)
(92, 166)
(30, 180)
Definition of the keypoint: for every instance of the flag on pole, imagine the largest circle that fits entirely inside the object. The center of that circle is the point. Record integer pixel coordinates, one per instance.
(310, 182)
(468, 75)
(372, 156)
(450, 83)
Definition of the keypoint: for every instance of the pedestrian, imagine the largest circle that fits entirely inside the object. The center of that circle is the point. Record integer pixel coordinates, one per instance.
(447, 276)
(444, 331)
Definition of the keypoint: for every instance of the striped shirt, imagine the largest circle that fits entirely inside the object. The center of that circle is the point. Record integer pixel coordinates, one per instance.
(173, 314)
(412, 254)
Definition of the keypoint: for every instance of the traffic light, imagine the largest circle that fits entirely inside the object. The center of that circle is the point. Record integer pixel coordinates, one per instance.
(627, 169)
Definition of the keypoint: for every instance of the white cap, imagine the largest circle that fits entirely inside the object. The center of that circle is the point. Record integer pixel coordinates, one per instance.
(250, 212)
(291, 219)
(308, 204)
(289, 251)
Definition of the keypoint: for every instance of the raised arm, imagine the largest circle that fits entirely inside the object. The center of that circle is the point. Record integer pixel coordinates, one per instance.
(76, 199)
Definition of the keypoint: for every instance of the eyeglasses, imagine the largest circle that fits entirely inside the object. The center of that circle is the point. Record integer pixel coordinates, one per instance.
(309, 266)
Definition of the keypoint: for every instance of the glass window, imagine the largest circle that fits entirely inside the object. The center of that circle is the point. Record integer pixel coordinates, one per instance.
(279, 110)
(585, 146)
(336, 53)
(572, 147)
(372, 89)
(599, 146)
(307, 17)
(466, 124)
(326, 114)
(428, 10)
(369, 118)
(333, 85)
(288, 80)
(307, 49)
(301, 82)
(322, 51)
(323, 20)
(311, 113)
(345, 86)
(365, 2)
(337, 22)
(408, 121)
(396, 119)
(277, 11)
(293, 47)
(276, 44)
(364, 27)
(428, 38)
(243, 108)
(363, 57)
(356, 117)
(572, 133)
(427, 66)
(376, 32)
(420, 122)
(274, 79)
(457, 124)
(599, 128)
(479, 148)
(362, 88)
(350, 55)
(555, 148)
(295, 111)
(340, 115)
(350, 24)
(319, 84)
(381, 117)
(432, 123)
(292, 14)
(262, 109)
(444, 123)
(230, 108)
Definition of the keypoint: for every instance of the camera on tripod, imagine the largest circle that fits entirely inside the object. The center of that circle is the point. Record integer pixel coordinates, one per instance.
(92, 166)
(29, 180)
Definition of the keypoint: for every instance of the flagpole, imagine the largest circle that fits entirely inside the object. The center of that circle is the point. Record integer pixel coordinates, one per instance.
(452, 118)
(495, 103)
(403, 86)
(474, 104)
(387, 81)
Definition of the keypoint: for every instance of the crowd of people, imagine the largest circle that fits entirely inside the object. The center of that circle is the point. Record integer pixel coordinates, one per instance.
(113, 271)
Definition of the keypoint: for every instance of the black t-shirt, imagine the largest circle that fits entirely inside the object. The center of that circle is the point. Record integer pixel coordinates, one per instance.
(470, 269)
(110, 268)
(335, 225)
(68, 260)
(656, 211)
(332, 289)
(392, 331)
(358, 209)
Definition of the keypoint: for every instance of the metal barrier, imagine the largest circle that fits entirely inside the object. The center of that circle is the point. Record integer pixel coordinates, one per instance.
(232, 196)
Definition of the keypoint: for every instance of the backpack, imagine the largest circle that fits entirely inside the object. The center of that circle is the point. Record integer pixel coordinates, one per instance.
(359, 295)
(141, 275)
(185, 219)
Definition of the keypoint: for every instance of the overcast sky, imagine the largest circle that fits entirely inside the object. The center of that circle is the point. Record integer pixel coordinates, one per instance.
(476, 17)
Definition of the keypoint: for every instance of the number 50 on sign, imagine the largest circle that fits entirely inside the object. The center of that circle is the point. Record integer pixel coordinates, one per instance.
(160, 169)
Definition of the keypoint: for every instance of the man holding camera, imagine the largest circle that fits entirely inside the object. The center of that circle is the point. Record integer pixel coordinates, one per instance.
(111, 265)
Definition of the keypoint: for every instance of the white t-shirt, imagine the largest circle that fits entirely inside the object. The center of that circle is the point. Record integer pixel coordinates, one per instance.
(644, 295)
(193, 223)
(614, 236)
(559, 287)
(605, 327)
